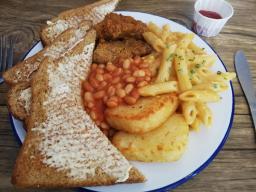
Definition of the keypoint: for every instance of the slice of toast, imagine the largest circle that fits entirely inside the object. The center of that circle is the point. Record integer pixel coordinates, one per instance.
(19, 100)
(95, 12)
(23, 71)
(64, 147)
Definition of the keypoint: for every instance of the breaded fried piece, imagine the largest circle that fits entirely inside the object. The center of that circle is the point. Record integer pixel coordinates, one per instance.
(116, 26)
(110, 51)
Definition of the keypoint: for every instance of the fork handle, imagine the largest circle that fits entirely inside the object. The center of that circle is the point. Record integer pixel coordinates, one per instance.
(1, 80)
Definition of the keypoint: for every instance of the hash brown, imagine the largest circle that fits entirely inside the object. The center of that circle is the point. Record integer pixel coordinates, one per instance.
(147, 114)
(164, 144)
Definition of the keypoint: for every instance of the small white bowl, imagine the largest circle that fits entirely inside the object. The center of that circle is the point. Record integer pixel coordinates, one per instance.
(207, 26)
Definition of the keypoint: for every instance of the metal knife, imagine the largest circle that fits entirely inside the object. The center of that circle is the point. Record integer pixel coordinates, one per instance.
(245, 79)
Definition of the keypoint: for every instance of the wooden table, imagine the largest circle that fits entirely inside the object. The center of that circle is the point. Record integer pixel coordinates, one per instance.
(234, 168)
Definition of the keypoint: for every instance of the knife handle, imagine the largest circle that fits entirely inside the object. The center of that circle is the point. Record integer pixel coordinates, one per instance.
(253, 113)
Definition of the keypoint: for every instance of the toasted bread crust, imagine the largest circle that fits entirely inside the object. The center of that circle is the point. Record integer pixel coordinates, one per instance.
(23, 71)
(30, 170)
(18, 100)
(70, 18)
(20, 75)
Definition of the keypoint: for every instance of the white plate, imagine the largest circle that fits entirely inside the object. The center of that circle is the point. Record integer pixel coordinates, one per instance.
(202, 147)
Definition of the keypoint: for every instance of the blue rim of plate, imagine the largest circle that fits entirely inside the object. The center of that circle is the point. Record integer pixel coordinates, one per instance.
(194, 173)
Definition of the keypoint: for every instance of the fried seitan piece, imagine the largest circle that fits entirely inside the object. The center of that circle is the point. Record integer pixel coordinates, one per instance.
(116, 26)
(110, 51)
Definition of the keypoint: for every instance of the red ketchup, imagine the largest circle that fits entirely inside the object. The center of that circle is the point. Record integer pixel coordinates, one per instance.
(210, 14)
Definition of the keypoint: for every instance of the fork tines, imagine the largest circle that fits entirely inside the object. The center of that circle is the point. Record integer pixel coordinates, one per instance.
(6, 53)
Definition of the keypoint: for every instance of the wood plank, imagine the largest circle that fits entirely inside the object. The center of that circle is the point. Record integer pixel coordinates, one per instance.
(235, 167)
(230, 171)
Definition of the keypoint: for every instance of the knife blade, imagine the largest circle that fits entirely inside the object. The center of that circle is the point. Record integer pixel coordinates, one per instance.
(244, 76)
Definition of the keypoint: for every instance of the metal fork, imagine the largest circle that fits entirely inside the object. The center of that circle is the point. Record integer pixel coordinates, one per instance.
(6, 55)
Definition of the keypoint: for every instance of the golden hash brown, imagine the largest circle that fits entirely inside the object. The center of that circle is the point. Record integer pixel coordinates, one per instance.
(147, 114)
(164, 144)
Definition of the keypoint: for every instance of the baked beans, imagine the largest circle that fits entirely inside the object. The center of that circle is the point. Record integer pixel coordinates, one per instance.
(110, 85)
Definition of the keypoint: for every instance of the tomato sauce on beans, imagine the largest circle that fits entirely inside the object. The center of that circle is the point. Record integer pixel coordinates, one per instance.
(113, 84)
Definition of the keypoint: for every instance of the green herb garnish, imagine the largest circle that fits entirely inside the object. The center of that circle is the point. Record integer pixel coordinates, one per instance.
(170, 57)
(170, 68)
(197, 66)
(190, 76)
(214, 85)
(180, 57)
(192, 71)
(192, 59)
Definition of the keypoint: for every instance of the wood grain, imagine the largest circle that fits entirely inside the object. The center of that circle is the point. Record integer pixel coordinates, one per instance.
(234, 168)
